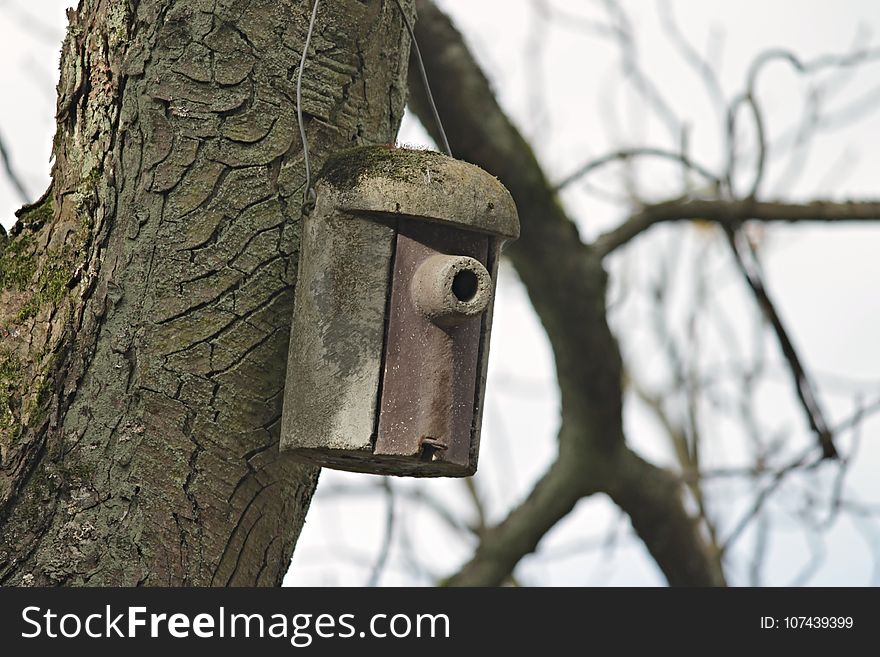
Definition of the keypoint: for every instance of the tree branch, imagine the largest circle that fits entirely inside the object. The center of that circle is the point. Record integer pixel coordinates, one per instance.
(502, 547)
(629, 153)
(747, 264)
(733, 213)
(566, 284)
(12, 174)
(388, 539)
(693, 58)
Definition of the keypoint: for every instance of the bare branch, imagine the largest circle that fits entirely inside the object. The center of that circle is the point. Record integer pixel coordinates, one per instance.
(11, 173)
(415, 495)
(802, 462)
(759, 553)
(749, 97)
(502, 547)
(797, 140)
(571, 21)
(733, 213)
(477, 502)
(534, 55)
(806, 67)
(817, 556)
(696, 61)
(854, 420)
(629, 153)
(388, 538)
(684, 433)
(632, 70)
(836, 503)
(747, 263)
(761, 137)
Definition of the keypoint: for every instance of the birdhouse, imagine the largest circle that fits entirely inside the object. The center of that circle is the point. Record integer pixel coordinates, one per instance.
(394, 294)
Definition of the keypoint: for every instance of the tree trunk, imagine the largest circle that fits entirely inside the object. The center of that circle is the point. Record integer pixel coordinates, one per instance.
(145, 301)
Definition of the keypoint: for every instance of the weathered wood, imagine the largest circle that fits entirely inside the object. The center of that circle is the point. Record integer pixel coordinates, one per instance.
(429, 387)
(382, 384)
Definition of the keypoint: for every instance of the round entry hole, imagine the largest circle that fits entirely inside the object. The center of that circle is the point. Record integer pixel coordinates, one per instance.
(464, 285)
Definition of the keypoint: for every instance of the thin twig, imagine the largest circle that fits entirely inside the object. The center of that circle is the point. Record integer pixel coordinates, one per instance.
(857, 417)
(804, 67)
(571, 21)
(696, 61)
(416, 495)
(749, 97)
(629, 153)
(750, 100)
(747, 263)
(631, 69)
(734, 213)
(802, 462)
(760, 136)
(759, 554)
(11, 173)
(477, 502)
(817, 557)
(837, 489)
(385, 550)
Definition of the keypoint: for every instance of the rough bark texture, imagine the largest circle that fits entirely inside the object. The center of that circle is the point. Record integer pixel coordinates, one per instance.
(145, 302)
(566, 282)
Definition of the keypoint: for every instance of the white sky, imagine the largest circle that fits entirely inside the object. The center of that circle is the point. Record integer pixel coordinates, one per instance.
(823, 278)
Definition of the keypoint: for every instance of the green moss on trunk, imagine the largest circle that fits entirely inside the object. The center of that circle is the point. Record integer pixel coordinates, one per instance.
(17, 264)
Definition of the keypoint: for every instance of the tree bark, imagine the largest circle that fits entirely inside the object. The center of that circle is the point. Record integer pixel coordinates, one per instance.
(145, 301)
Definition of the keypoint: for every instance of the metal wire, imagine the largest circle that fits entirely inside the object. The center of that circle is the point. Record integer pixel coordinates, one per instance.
(415, 45)
(309, 193)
